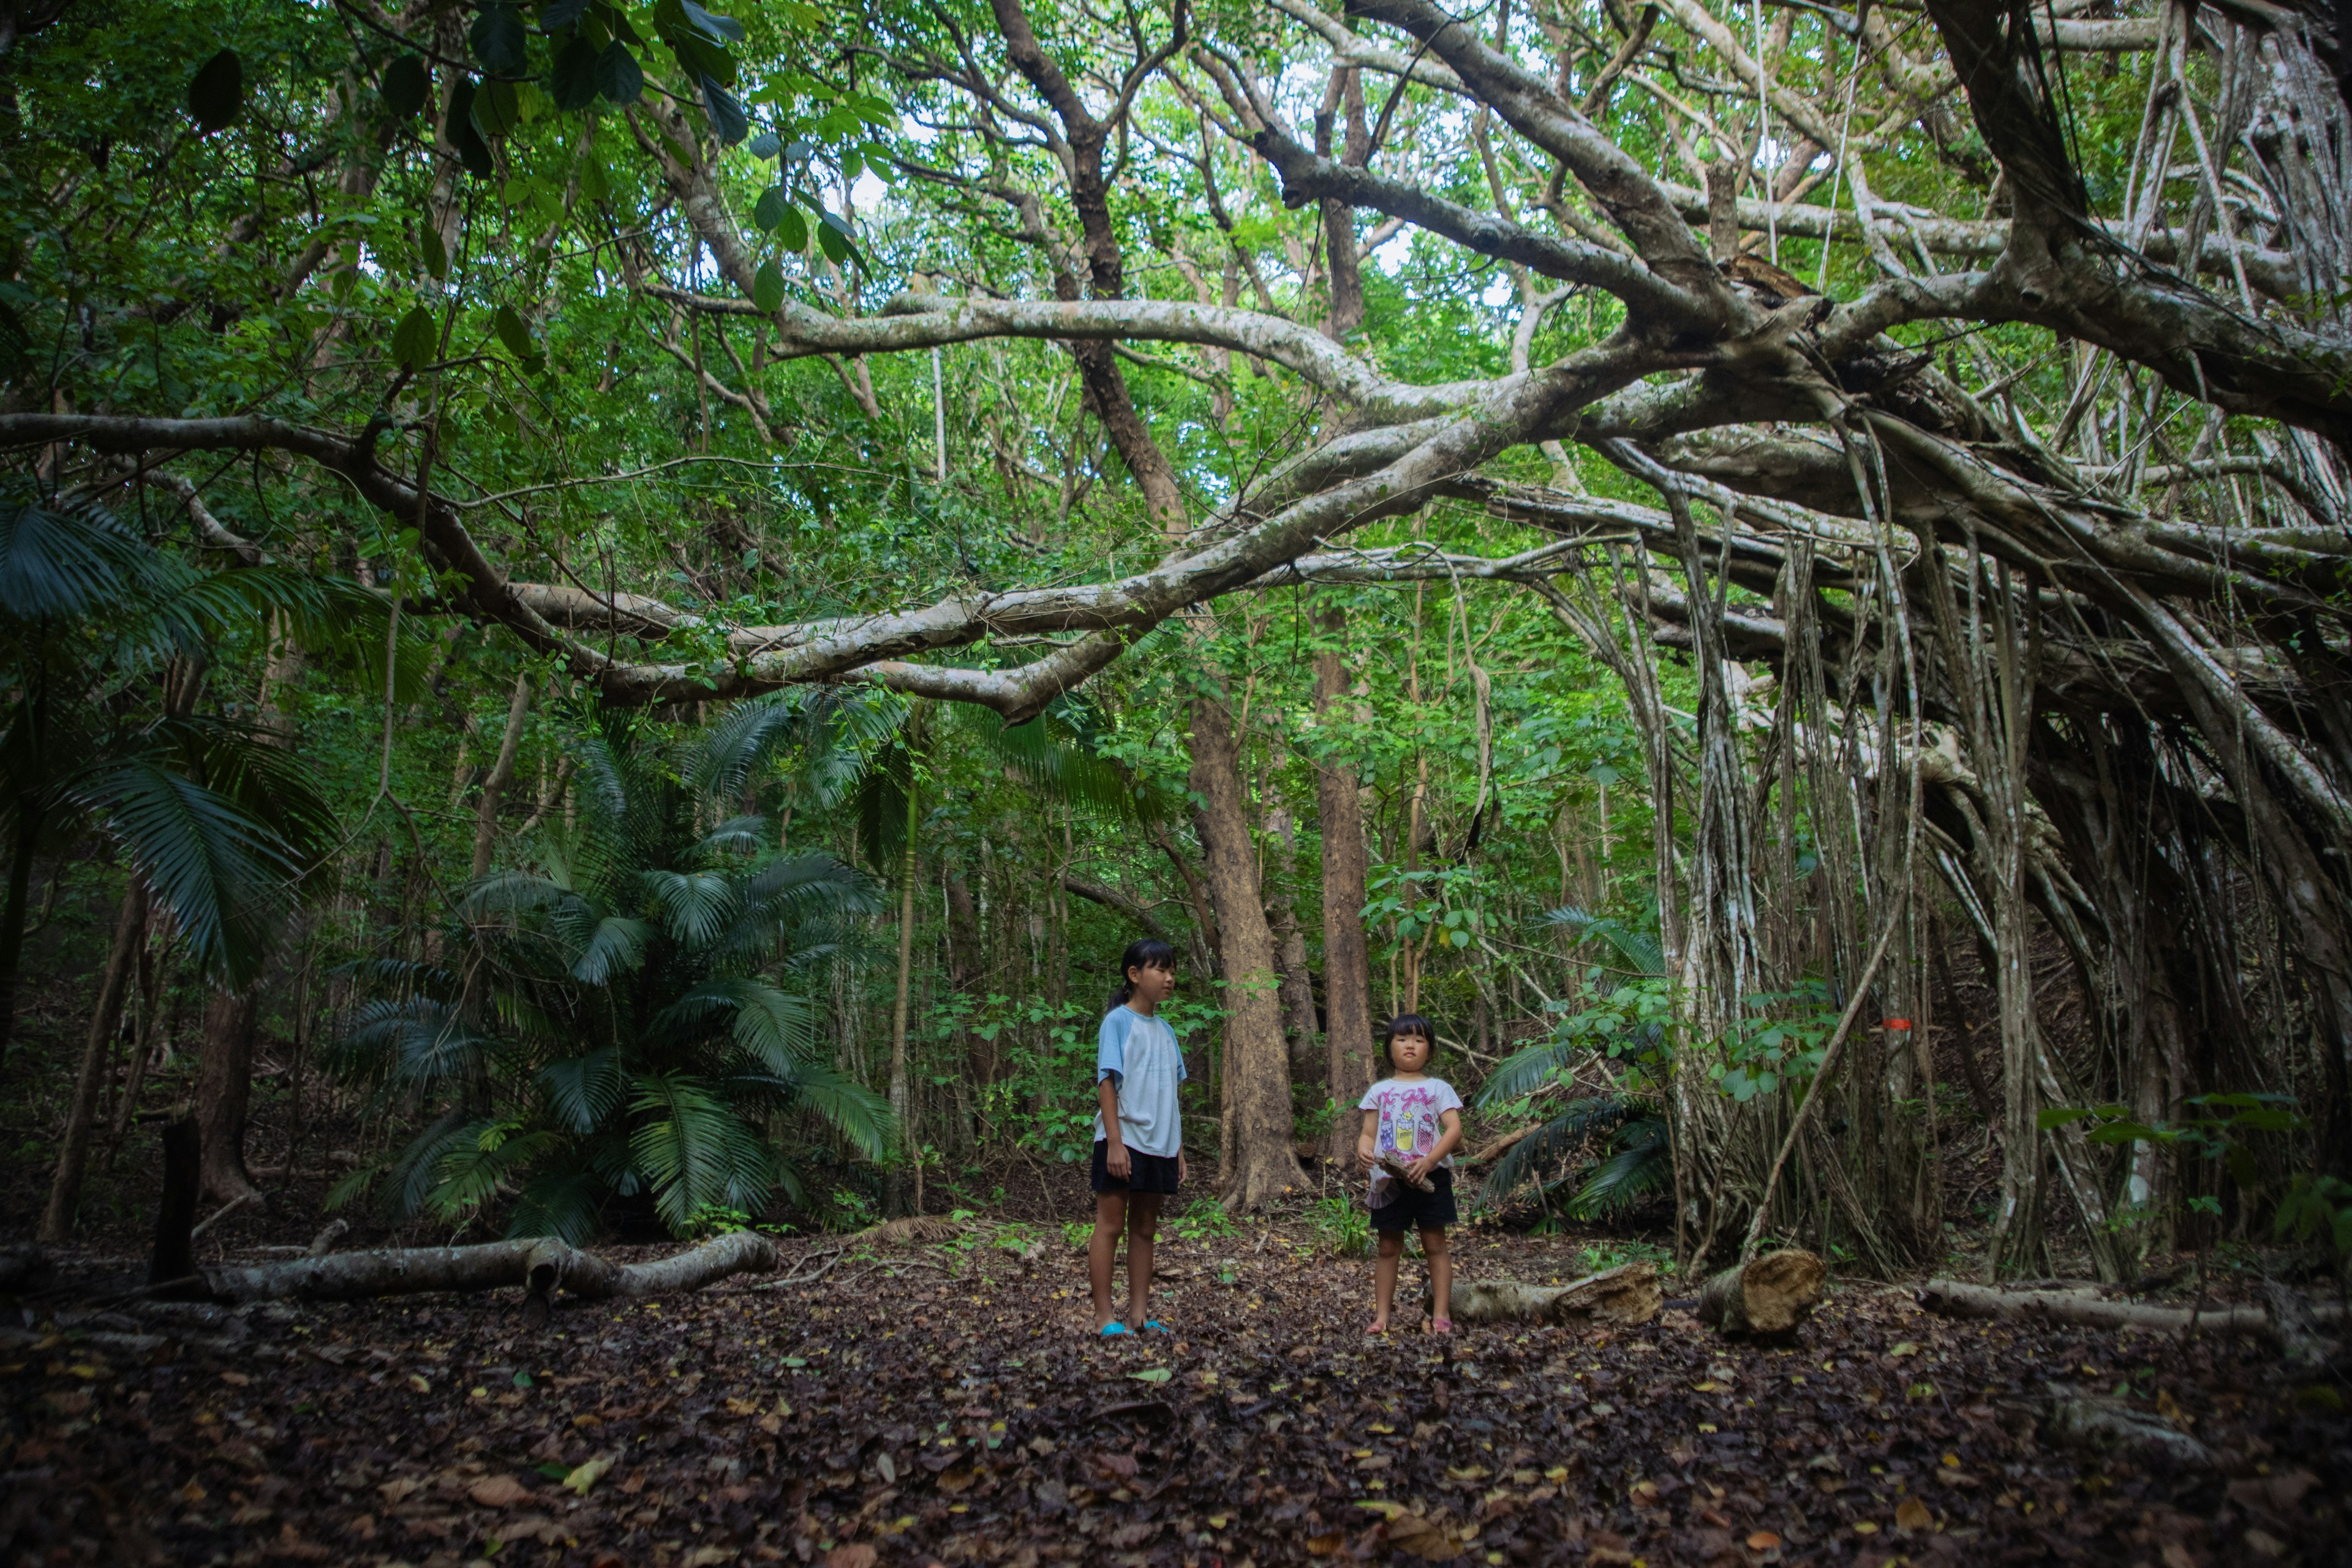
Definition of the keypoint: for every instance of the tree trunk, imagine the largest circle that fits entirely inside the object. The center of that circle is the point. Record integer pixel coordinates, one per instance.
(1346, 968)
(154, 989)
(105, 1022)
(896, 1196)
(964, 978)
(224, 1087)
(175, 1209)
(12, 917)
(486, 811)
(1257, 1066)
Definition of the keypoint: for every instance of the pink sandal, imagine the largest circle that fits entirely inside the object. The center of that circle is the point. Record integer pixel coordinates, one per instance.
(1440, 1325)
(1376, 1328)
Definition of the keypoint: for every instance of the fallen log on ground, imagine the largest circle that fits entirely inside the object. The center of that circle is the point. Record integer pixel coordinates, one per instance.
(1626, 1295)
(2106, 1424)
(1487, 1153)
(1953, 1298)
(541, 1267)
(1766, 1295)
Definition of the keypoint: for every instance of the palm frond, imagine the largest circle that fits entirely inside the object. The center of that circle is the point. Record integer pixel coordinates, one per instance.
(1577, 1122)
(1525, 1071)
(1053, 755)
(413, 1044)
(1642, 951)
(583, 1090)
(1643, 1163)
(695, 906)
(414, 1171)
(844, 1104)
(68, 565)
(696, 1151)
(470, 1174)
(223, 874)
(561, 1203)
(615, 947)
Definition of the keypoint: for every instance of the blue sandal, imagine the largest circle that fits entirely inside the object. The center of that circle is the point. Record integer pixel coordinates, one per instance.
(1114, 1328)
(1157, 1327)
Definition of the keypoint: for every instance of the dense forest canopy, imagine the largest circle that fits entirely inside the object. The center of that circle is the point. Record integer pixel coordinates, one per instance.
(646, 597)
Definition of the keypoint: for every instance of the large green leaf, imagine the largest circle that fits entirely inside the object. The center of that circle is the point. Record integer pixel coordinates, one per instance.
(697, 1150)
(67, 563)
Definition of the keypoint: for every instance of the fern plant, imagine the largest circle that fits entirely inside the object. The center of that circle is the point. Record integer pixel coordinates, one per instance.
(622, 1018)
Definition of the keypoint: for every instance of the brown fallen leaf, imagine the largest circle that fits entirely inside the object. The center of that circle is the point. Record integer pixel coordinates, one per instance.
(498, 1491)
(956, 1481)
(1325, 1544)
(1762, 1541)
(1913, 1515)
(1413, 1532)
(395, 1489)
(855, 1555)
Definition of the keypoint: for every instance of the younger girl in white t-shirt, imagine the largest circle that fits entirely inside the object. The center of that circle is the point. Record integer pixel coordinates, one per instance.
(1415, 1119)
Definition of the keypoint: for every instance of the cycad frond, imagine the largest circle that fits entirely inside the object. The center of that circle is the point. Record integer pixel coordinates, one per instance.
(695, 906)
(1578, 1122)
(697, 1150)
(1642, 951)
(616, 947)
(1525, 1071)
(583, 1090)
(850, 1109)
(222, 875)
(561, 1203)
(1643, 1163)
(69, 565)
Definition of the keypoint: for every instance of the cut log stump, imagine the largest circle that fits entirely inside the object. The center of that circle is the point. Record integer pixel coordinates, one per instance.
(1766, 1295)
(1623, 1296)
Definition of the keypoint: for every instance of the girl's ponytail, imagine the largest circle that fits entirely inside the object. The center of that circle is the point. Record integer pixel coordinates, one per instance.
(1148, 953)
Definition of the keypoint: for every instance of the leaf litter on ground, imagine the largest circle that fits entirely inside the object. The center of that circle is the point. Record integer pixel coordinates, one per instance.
(960, 1412)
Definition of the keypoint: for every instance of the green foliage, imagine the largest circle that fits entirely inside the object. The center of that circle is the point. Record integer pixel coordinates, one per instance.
(1204, 1219)
(2316, 1207)
(1343, 1226)
(627, 1002)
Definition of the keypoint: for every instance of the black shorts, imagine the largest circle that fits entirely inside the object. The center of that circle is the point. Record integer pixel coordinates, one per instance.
(1410, 1208)
(1145, 1172)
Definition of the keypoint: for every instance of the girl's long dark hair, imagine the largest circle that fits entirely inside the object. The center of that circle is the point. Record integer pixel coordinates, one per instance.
(1407, 1024)
(1150, 954)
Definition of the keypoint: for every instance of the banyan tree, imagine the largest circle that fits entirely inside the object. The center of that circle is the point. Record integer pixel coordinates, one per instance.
(1960, 393)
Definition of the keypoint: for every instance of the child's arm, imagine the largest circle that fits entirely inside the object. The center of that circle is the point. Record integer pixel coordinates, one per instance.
(1115, 1158)
(1446, 1142)
(1367, 1137)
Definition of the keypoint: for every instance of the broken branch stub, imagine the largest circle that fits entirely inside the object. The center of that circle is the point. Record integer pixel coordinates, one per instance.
(1766, 1295)
(541, 1267)
(1626, 1295)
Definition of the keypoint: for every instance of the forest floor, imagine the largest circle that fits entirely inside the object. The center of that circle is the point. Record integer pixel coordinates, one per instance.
(944, 1403)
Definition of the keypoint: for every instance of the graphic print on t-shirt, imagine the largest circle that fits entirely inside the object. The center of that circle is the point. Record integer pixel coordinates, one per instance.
(1412, 1119)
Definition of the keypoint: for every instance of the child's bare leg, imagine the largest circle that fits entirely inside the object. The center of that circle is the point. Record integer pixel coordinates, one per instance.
(1384, 1275)
(1143, 1222)
(1110, 1218)
(1441, 1274)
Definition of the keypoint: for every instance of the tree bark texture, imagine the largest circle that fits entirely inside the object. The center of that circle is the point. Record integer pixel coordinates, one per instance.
(538, 1266)
(1347, 962)
(225, 1088)
(1627, 1295)
(1957, 1299)
(1257, 1065)
(98, 1052)
(1766, 1295)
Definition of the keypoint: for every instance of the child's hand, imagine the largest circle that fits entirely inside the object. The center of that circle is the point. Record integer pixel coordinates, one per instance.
(1365, 1157)
(1423, 1167)
(1183, 1171)
(1116, 1162)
